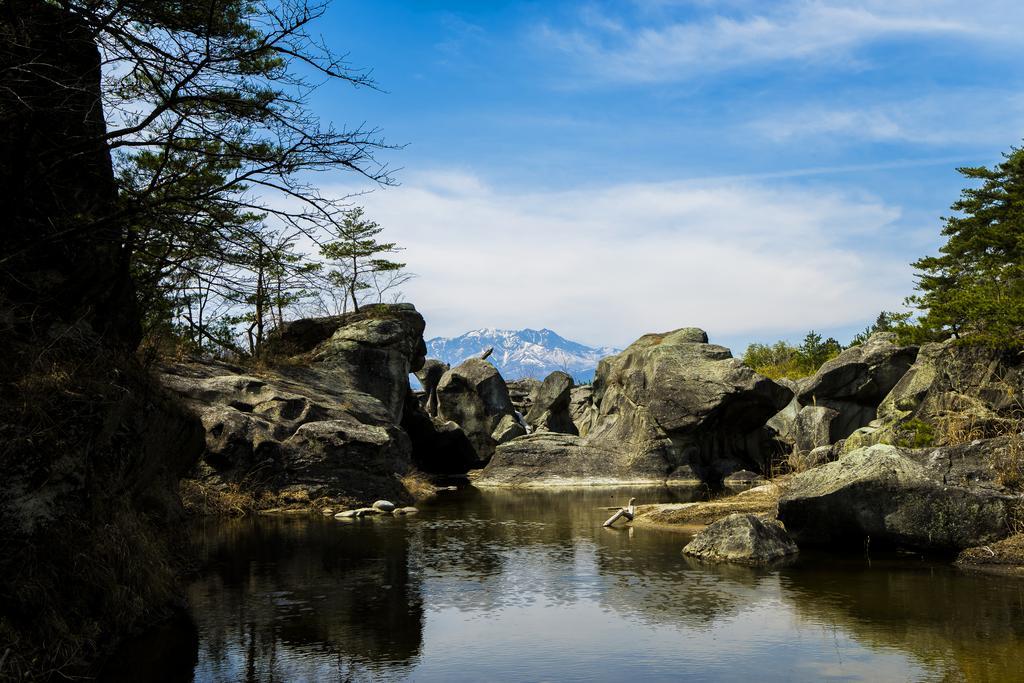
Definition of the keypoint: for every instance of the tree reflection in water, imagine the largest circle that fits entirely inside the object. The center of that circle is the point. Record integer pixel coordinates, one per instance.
(515, 585)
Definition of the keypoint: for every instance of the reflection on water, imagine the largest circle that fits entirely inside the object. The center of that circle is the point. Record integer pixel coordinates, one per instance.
(527, 585)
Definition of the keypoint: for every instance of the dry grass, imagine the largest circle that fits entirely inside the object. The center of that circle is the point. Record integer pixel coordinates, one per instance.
(418, 485)
(204, 500)
(1005, 554)
(685, 516)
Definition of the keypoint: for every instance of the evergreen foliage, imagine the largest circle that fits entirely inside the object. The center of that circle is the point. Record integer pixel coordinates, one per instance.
(782, 359)
(975, 286)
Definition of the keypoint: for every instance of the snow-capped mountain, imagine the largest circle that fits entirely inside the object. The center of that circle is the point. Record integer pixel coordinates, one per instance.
(522, 353)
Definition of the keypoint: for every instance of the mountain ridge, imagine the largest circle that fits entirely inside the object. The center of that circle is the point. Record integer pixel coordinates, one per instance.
(522, 353)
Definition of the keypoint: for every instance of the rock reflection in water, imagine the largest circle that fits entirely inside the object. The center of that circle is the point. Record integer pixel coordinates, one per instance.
(305, 599)
(527, 585)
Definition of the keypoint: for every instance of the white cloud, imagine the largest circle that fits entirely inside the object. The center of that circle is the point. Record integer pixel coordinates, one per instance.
(822, 30)
(607, 264)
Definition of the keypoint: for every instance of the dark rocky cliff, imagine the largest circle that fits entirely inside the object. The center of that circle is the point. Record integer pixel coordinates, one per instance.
(91, 448)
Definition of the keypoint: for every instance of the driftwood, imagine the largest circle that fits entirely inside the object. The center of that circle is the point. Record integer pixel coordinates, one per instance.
(627, 512)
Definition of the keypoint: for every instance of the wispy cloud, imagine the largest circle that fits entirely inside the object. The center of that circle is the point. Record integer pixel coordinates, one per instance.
(822, 30)
(949, 117)
(607, 264)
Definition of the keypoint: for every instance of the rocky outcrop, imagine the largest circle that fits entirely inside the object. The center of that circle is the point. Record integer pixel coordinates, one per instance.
(855, 382)
(669, 403)
(673, 400)
(91, 448)
(520, 392)
(954, 392)
(438, 446)
(550, 409)
(743, 538)
(937, 500)
(474, 396)
(324, 424)
(430, 376)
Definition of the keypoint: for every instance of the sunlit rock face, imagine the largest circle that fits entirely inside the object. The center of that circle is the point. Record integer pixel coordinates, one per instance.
(933, 499)
(324, 423)
(668, 403)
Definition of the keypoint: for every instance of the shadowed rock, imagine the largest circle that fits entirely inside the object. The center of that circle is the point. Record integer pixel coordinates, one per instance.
(894, 497)
(550, 409)
(474, 396)
(855, 382)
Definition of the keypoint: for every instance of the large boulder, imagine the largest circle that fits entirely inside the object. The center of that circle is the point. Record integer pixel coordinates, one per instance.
(672, 400)
(855, 382)
(937, 500)
(473, 395)
(324, 424)
(954, 392)
(550, 409)
(743, 538)
(671, 406)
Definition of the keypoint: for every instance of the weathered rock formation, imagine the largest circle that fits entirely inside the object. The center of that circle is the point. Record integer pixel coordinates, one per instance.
(954, 392)
(474, 396)
(550, 409)
(940, 499)
(743, 538)
(520, 392)
(669, 402)
(325, 424)
(855, 382)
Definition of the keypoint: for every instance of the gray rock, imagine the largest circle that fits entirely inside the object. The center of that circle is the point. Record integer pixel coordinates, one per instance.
(581, 406)
(474, 396)
(438, 446)
(510, 427)
(520, 392)
(667, 402)
(405, 511)
(550, 407)
(430, 376)
(672, 399)
(783, 423)
(324, 422)
(552, 459)
(383, 505)
(743, 538)
(813, 428)
(953, 392)
(892, 497)
(855, 382)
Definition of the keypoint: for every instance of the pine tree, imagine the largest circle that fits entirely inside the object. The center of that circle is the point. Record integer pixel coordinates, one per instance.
(359, 253)
(975, 286)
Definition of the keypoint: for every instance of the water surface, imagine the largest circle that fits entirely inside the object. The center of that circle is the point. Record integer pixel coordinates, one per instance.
(521, 585)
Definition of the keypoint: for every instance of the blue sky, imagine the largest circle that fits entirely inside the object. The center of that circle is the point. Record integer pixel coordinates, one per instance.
(607, 169)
